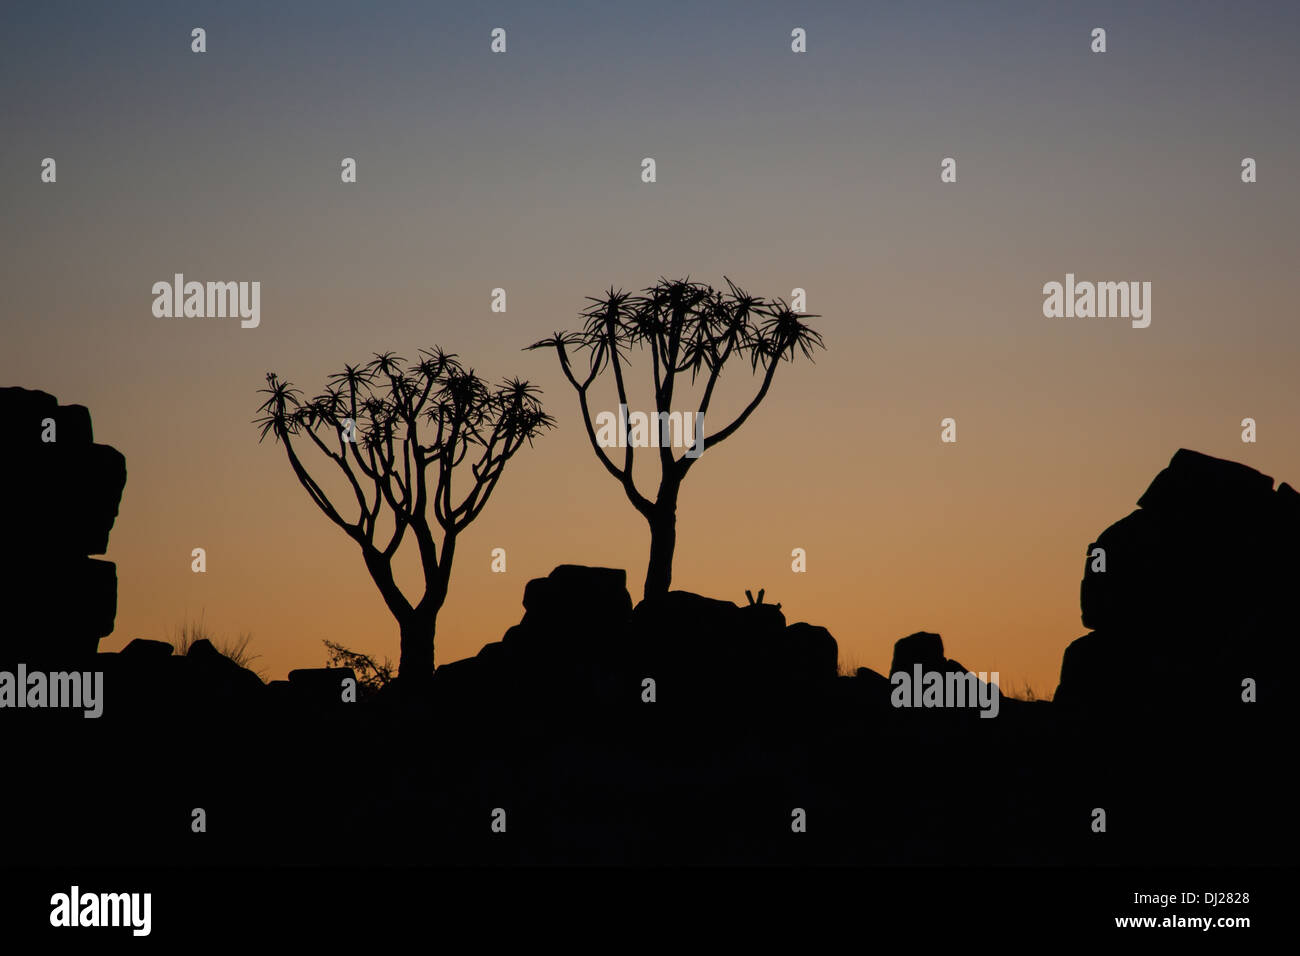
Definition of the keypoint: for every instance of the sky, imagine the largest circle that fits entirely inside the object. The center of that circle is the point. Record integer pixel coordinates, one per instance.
(781, 170)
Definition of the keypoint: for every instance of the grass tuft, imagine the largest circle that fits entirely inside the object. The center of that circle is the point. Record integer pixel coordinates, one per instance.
(184, 637)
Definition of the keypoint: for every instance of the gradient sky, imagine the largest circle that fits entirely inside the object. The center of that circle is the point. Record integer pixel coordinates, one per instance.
(779, 170)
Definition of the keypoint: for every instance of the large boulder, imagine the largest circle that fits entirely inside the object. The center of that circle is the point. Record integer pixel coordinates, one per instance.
(64, 494)
(142, 648)
(1196, 486)
(581, 641)
(220, 679)
(570, 612)
(920, 654)
(574, 595)
(921, 648)
(811, 653)
(1190, 596)
(61, 492)
(697, 647)
(686, 641)
(573, 632)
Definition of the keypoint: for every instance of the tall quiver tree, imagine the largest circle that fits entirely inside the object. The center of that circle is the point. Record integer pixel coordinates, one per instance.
(686, 327)
(397, 434)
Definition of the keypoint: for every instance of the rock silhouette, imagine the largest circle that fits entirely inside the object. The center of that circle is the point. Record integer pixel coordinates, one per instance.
(1197, 595)
(581, 639)
(61, 492)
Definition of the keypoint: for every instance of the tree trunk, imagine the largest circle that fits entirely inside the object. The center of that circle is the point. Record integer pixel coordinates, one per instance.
(663, 541)
(417, 631)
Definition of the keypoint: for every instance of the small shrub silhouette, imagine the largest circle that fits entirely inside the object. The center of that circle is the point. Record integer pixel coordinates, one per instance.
(372, 676)
(761, 592)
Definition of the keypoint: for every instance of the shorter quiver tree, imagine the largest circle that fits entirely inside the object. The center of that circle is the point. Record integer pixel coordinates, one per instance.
(397, 433)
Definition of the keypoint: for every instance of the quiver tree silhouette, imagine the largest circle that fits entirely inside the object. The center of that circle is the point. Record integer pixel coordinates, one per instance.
(397, 433)
(686, 327)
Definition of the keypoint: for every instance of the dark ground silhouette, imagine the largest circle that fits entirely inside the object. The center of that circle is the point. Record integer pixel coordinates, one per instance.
(749, 723)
